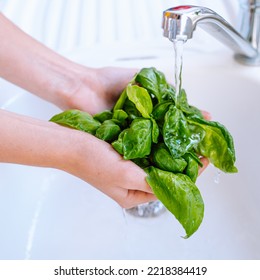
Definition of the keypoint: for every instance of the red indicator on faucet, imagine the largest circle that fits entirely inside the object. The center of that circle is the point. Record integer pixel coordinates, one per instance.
(180, 8)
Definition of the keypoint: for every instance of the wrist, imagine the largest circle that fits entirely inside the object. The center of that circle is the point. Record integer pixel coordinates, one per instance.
(64, 80)
(36, 68)
(29, 141)
(76, 87)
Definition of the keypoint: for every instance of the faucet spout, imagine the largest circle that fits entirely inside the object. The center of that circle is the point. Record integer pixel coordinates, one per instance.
(183, 20)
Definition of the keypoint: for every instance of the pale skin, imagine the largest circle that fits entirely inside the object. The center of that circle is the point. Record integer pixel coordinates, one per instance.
(24, 140)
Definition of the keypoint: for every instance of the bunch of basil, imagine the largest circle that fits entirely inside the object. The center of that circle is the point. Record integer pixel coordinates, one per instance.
(165, 136)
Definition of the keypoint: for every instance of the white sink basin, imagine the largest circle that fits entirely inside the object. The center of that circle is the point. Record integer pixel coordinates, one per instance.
(48, 214)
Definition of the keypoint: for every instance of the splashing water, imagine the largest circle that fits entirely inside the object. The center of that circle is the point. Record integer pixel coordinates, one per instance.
(149, 209)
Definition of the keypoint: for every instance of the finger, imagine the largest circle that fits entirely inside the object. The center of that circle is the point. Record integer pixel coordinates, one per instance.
(141, 186)
(135, 177)
(206, 115)
(135, 198)
(115, 79)
(205, 163)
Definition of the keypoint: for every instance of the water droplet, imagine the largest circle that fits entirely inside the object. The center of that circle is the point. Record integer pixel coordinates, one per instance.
(217, 176)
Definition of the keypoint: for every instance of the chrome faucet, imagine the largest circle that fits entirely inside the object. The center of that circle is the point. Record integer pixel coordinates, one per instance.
(181, 21)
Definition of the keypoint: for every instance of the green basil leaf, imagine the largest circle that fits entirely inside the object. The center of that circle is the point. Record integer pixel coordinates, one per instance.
(166, 91)
(192, 169)
(147, 78)
(155, 131)
(182, 102)
(78, 120)
(137, 139)
(195, 157)
(162, 159)
(120, 115)
(169, 93)
(176, 133)
(179, 195)
(103, 116)
(155, 82)
(195, 112)
(141, 98)
(228, 137)
(121, 101)
(142, 162)
(118, 144)
(108, 131)
(131, 110)
(216, 148)
(160, 110)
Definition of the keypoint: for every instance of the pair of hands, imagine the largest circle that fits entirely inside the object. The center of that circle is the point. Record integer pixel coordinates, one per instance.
(120, 179)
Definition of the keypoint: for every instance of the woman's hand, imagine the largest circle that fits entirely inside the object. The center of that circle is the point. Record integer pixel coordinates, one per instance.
(98, 89)
(96, 162)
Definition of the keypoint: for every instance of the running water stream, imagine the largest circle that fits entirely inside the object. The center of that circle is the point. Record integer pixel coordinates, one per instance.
(178, 44)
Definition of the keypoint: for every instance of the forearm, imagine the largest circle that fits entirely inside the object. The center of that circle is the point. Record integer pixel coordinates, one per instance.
(28, 141)
(25, 140)
(34, 67)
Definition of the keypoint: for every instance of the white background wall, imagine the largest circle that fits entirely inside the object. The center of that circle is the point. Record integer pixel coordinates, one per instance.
(67, 24)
